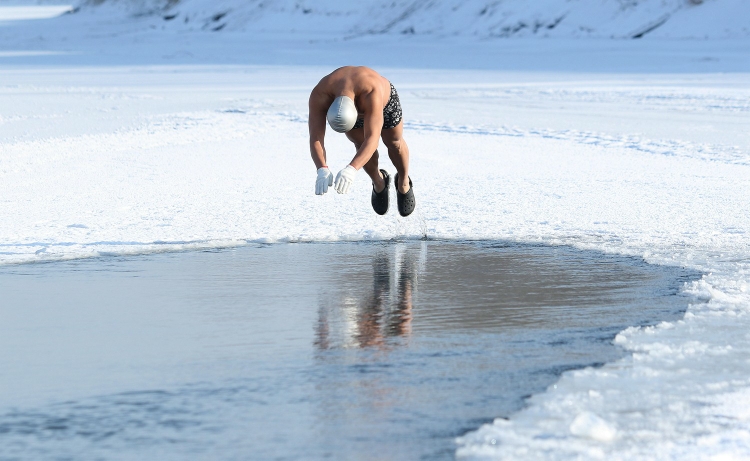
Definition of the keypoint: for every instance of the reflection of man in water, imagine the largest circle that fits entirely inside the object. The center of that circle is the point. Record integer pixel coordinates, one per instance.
(375, 318)
(364, 105)
(371, 308)
(376, 321)
(400, 323)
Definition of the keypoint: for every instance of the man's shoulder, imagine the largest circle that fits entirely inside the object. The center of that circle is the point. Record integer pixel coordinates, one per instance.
(319, 96)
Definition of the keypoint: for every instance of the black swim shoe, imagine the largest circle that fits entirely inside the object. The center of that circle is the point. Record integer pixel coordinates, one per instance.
(406, 202)
(380, 199)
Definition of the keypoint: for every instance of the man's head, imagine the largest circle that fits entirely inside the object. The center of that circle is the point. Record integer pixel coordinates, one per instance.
(342, 115)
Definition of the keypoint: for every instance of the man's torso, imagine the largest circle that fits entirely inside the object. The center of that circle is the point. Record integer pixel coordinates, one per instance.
(356, 82)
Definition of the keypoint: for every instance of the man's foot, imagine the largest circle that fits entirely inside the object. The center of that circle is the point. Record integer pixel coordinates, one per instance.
(406, 202)
(380, 199)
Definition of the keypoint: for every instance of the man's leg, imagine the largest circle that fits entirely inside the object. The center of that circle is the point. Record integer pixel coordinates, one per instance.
(398, 152)
(357, 137)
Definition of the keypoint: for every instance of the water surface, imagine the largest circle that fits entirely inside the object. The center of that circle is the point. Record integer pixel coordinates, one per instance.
(303, 351)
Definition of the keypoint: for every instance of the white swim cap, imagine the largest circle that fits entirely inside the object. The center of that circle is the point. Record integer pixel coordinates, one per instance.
(342, 115)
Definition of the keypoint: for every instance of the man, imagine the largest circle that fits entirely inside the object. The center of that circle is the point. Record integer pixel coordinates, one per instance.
(364, 105)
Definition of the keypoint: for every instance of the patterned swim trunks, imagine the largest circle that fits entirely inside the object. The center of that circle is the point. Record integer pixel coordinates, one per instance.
(391, 112)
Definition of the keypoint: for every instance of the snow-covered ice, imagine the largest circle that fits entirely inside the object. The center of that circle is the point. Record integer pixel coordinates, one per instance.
(138, 140)
(475, 18)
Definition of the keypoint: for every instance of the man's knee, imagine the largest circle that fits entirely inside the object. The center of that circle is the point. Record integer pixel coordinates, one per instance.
(394, 145)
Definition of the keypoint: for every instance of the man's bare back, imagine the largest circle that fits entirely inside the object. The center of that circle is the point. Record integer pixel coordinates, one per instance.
(362, 84)
(362, 91)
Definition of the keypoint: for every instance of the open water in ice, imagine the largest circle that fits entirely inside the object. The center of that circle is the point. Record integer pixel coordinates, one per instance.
(304, 351)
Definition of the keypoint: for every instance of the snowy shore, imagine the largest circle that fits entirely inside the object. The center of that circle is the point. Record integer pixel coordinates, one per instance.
(125, 145)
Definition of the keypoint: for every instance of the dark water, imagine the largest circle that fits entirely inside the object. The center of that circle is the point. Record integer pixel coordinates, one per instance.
(303, 351)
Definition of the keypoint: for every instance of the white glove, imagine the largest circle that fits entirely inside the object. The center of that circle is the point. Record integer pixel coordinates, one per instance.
(325, 179)
(344, 179)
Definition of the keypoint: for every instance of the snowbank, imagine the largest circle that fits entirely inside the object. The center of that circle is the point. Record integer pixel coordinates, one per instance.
(477, 18)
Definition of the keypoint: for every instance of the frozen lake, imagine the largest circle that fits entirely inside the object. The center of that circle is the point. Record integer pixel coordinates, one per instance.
(123, 134)
(346, 350)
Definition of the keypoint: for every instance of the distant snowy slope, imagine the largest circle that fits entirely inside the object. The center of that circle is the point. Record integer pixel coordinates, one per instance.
(481, 18)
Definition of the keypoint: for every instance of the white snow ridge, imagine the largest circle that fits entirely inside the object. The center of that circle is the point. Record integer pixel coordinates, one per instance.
(481, 18)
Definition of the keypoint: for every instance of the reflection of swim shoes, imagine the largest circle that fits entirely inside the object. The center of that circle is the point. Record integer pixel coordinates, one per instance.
(406, 202)
(380, 199)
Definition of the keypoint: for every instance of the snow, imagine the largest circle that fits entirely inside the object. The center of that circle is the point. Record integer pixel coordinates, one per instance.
(16, 13)
(589, 425)
(478, 18)
(117, 137)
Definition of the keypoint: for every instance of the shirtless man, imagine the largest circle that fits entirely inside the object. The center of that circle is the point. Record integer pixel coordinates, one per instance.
(364, 105)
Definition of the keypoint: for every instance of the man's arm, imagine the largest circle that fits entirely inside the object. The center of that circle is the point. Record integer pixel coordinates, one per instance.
(373, 127)
(316, 124)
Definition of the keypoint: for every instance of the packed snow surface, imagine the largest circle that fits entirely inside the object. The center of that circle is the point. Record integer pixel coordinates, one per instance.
(124, 140)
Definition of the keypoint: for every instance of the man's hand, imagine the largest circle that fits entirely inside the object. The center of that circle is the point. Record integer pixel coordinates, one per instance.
(325, 179)
(344, 179)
